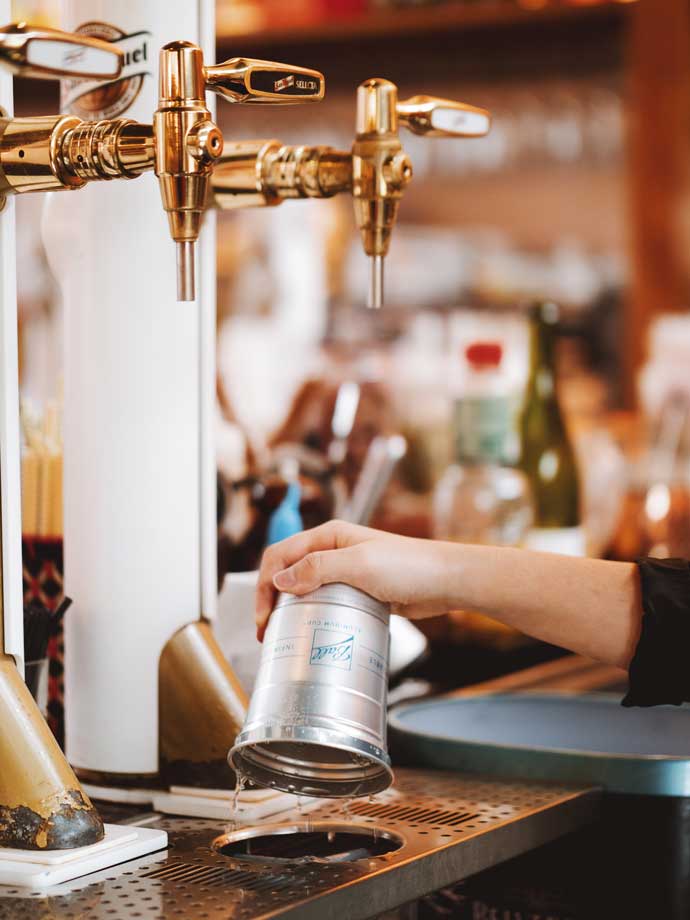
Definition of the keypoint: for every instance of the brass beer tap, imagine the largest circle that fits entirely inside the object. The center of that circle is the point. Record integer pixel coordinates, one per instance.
(182, 145)
(188, 143)
(375, 172)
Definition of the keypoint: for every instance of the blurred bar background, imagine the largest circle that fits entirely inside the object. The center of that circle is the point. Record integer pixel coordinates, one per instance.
(579, 195)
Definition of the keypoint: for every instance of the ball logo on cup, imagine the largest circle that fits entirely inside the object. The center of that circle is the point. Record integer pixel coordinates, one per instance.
(332, 648)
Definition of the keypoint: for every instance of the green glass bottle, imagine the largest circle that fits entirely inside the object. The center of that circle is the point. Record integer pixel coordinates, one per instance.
(547, 455)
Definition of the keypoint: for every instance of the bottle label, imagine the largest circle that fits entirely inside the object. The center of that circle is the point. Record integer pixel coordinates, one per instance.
(569, 541)
(93, 100)
(485, 429)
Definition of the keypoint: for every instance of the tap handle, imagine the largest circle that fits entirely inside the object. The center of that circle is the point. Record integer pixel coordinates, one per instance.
(434, 117)
(247, 80)
(48, 54)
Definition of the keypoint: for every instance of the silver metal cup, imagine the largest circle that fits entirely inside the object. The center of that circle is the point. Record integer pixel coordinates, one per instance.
(317, 717)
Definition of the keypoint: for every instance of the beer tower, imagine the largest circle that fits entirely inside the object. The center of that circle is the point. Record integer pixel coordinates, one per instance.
(185, 730)
(42, 806)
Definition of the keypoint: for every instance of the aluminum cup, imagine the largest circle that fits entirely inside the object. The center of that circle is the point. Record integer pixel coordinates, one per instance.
(316, 723)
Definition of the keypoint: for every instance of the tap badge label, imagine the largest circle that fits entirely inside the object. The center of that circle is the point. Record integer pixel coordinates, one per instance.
(93, 100)
(280, 85)
(271, 81)
(332, 649)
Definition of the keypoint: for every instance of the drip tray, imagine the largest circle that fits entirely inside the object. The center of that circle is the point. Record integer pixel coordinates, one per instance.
(354, 860)
(314, 841)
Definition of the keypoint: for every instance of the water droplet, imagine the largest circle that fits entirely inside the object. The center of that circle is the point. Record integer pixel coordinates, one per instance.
(240, 784)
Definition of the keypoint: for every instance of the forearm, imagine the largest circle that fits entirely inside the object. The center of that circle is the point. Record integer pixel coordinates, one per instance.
(586, 605)
(589, 606)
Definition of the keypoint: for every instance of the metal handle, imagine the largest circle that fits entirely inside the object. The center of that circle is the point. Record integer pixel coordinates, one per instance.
(48, 54)
(434, 117)
(250, 81)
(382, 457)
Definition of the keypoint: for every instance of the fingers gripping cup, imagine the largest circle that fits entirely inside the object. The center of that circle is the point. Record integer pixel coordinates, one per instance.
(317, 718)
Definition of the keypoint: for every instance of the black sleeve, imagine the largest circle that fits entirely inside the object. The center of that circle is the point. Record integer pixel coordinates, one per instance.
(660, 669)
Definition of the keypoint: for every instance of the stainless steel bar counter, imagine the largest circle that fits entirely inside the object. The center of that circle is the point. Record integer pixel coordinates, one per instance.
(429, 831)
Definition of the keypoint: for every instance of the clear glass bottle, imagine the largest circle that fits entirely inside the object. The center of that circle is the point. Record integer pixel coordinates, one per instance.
(480, 498)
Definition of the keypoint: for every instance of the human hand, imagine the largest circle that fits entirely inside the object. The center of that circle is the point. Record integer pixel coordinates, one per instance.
(412, 575)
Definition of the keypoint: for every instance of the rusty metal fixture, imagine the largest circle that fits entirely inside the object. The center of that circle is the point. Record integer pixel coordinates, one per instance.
(42, 806)
(201, 709)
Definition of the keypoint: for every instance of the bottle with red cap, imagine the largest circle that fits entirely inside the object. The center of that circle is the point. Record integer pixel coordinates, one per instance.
(481, 498)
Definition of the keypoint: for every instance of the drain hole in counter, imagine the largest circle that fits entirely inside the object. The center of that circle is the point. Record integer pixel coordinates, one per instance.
(314, 841)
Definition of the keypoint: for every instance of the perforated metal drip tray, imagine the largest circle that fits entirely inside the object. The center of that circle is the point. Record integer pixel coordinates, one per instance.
(428, 831)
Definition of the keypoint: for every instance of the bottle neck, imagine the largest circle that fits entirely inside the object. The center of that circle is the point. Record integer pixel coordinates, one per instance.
(542, 350)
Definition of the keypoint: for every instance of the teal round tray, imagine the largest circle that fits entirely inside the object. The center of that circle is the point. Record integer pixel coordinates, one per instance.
(585, 739)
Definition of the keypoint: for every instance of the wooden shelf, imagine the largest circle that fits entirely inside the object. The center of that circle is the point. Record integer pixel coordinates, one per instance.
(257, 28)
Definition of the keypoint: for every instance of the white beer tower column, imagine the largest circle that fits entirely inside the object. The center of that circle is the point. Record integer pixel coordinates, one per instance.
(139, 471)
(33, 771)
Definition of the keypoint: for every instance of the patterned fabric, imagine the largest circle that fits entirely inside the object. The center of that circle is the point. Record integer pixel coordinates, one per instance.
(43, 581)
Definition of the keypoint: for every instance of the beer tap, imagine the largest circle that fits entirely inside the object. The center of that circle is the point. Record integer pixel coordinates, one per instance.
(181, 146)
(188, 143)
(375, 172)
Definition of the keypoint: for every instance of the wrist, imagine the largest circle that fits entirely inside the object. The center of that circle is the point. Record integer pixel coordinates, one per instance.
(452, 576)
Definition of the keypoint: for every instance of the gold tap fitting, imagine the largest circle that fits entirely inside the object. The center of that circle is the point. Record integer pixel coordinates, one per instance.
(52, 152)
(380, 167)
(181, 146)
(381, 171)
(376, 171)
(187, 143)
(265, 173)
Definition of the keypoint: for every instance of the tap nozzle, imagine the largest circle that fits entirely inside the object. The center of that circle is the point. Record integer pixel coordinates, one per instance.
(375, 299)
(380, 173)
(381, 170)
(186, 279)
(187, 144)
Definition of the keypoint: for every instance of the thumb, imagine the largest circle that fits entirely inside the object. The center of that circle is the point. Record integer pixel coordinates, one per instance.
(316, 569)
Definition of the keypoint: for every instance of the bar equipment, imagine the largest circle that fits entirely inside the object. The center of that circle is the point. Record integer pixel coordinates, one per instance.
(549, 736)
(427, 831)
(48, 54)
(317, 718)
(41, 803)
(383, 455)
(375, 172)
(42, 806)
(140, 476)
(65, 152)
(50, 153)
